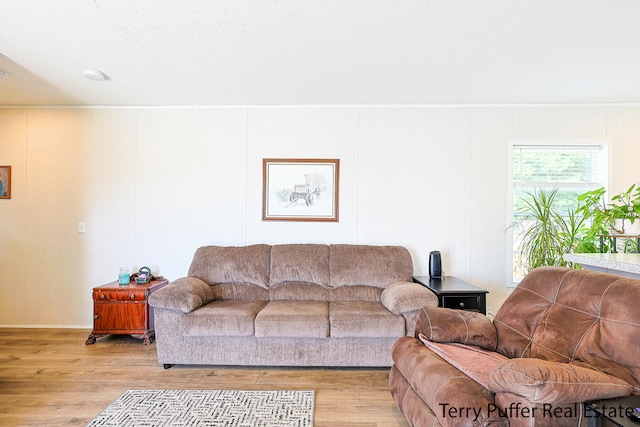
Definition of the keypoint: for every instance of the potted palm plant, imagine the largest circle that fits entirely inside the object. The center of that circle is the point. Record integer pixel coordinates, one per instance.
(546, 234)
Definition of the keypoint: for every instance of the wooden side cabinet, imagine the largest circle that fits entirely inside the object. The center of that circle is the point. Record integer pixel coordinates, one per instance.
(124, 310)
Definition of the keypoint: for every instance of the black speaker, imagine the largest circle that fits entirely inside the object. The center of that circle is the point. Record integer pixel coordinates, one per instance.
(435, 265)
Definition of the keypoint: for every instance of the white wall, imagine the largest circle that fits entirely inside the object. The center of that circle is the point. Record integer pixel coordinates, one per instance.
(154, 184)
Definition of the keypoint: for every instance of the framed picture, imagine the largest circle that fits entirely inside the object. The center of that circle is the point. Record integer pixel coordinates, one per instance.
(300, 189)
(5, 182)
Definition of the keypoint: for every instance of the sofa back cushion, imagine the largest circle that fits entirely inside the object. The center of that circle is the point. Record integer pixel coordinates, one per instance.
(231, 265)
(299, 272)
(363, 265)
(565, 315)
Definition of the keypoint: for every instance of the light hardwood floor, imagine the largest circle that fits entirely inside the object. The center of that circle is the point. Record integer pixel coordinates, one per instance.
(49, 377)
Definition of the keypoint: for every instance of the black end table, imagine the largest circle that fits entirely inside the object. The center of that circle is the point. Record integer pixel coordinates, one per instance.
(455, 293)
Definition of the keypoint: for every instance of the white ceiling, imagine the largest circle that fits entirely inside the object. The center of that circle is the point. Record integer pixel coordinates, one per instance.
(302, 52)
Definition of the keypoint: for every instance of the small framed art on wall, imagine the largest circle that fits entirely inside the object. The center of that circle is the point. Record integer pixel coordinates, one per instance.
(300, 189)
(5, 182)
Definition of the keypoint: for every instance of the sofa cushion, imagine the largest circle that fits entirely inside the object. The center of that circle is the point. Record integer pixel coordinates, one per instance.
(240, 291)
(356, 293)
(553, 382)
(402, 297)
(378, 266)
(299, 292)
(231, 264)
(363, 319)
(223, 318)
(446, 325)
(309, 319)
(299, 264)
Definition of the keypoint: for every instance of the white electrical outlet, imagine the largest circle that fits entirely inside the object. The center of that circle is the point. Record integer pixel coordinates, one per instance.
(82, 227)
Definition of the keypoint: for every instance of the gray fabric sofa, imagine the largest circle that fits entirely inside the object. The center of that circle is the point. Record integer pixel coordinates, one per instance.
(289, 305)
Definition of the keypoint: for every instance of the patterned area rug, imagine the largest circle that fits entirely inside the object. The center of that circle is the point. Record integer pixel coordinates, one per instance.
(211, 408)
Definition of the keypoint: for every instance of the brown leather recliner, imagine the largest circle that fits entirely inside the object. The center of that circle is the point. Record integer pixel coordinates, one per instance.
(563, 337)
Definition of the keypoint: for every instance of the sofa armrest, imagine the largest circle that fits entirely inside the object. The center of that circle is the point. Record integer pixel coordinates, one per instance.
(404, 297)
(447, 325)
(543, 381)
(184, 294)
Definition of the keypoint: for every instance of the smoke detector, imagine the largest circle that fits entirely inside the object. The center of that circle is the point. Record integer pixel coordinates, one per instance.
(93, 74)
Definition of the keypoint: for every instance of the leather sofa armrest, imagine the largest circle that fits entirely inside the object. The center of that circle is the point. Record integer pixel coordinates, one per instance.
(544, 381)
(404, 297)
(185, 294)
(446, 325)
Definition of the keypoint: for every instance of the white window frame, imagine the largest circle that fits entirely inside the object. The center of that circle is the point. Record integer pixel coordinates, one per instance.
(604, 143)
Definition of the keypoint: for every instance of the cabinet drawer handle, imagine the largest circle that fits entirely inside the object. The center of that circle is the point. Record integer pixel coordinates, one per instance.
(133, 296)
(461, 305)
(102, 296)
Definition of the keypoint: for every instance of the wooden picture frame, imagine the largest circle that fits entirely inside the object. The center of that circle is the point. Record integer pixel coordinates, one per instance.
(300, 189)
(5, 182)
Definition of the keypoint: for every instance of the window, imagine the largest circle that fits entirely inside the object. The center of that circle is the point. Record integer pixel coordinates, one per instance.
(571, 167)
